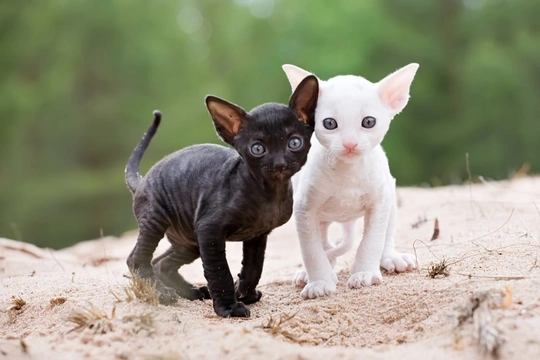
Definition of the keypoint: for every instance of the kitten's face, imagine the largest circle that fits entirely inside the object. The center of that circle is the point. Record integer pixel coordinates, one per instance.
(273, 139)
(350, 119)
(273, 142)
(354, 114)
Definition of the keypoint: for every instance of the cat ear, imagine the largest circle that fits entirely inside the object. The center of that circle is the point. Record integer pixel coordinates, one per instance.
(394, 89)
(304, 100)
(228, 118)
(295, 74)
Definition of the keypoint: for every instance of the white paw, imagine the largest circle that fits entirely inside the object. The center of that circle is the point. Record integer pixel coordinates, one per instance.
(364, 278)
(317, 289)
(301, 278)
(398, 262)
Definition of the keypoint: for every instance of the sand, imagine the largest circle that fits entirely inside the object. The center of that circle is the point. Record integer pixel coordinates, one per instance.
(489, 238)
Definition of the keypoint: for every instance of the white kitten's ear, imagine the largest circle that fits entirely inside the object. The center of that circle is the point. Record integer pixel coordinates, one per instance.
(228, 118)
(394, 89)
(304, 100)
(295, 74)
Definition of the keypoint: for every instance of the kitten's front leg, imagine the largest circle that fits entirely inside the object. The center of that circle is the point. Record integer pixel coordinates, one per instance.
(252, 266)
(365, 269)
(321, 278)
(216, 271)
(393, 261)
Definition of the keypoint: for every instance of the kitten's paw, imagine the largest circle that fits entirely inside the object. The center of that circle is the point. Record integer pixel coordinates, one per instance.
(201, 293)
(235, 310)
(364, 278)
(317, 289)
(301, 278)
(398, 262)
(166, 295)
(249, 298)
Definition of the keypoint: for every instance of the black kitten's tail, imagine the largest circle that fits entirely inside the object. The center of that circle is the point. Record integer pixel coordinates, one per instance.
(133, 178)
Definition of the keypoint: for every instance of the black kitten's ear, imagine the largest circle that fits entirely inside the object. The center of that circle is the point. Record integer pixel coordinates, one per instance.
(228, 118)
(304, 100)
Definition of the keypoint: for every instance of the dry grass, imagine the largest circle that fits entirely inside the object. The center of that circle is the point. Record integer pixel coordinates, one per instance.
(142, 289)
(274, 326)
(93, 319)
(57, 301)
(440, 269)
(16, 308)
(17, 303)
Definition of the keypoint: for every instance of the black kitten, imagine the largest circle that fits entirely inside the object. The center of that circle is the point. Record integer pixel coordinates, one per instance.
(203, 195)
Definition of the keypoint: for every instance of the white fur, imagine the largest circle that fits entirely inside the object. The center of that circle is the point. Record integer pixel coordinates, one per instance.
(338, 184)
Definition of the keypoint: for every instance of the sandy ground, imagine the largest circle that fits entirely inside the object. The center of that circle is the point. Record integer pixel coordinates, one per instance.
(488, 238)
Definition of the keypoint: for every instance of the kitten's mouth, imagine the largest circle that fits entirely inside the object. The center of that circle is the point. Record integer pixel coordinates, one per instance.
(351, 153)
(281, 174)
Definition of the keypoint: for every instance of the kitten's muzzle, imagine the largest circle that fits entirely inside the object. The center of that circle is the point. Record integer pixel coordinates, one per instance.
(351, 149)
(280, 171)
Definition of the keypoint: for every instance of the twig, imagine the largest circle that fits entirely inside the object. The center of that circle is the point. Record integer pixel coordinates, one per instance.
(537, 210)
(494, 277)
(526, 228)
(55, 259)
(436, 231)
(467, 165)
(494, 231)
(337, 334)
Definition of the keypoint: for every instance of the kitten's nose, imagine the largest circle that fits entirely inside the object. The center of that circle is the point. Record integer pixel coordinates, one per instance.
(350, 146)
(280, 167)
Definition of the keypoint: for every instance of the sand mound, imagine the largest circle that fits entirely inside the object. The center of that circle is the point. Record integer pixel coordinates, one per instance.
(487, 294)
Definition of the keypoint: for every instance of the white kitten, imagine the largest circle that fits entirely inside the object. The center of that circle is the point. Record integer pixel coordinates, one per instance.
(346, 177)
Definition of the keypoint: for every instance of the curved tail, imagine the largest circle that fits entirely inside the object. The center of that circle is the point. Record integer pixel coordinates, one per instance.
(133, 178)
(341, 249)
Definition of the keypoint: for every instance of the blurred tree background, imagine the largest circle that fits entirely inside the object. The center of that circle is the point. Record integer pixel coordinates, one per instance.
(80, 78)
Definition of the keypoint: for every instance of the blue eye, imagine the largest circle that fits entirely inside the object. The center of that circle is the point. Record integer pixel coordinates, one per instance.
(258, 149)
(368, 122)
(295, 143)
(330, 123)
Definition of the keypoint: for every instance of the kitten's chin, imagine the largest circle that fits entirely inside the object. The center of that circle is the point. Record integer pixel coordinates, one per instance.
(280, 176)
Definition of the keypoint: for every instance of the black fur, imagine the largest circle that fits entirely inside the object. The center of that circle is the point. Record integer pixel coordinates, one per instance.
(203, 195)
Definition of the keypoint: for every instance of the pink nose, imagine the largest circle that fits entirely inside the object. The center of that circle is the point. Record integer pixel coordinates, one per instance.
(350, 146)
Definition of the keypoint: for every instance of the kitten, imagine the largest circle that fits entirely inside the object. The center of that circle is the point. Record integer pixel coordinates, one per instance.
(203, 195)
(347, 177)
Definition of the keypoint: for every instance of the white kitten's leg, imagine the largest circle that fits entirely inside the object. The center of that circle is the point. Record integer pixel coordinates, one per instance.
(365, 269)
(321, 278)
(301, 277)
(393, 261)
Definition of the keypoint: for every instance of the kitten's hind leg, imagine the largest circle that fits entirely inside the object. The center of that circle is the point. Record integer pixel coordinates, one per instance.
(166, 268)
(139, 260)
(252, 265)
(391, 260)
(301, 278)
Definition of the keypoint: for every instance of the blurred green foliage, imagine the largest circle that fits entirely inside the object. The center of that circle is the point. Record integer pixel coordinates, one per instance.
(80, 78)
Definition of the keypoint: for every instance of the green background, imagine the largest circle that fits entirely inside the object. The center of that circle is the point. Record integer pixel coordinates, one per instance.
(79, 80)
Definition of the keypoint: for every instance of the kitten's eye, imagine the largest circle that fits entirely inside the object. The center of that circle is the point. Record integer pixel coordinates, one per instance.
(368, 122)
(295, 143)
(329, 123)
(257, 149)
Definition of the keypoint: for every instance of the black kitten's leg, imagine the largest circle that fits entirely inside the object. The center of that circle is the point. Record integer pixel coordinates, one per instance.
(139, 260)
(217, 273)
(166, 268)
(252, 266)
